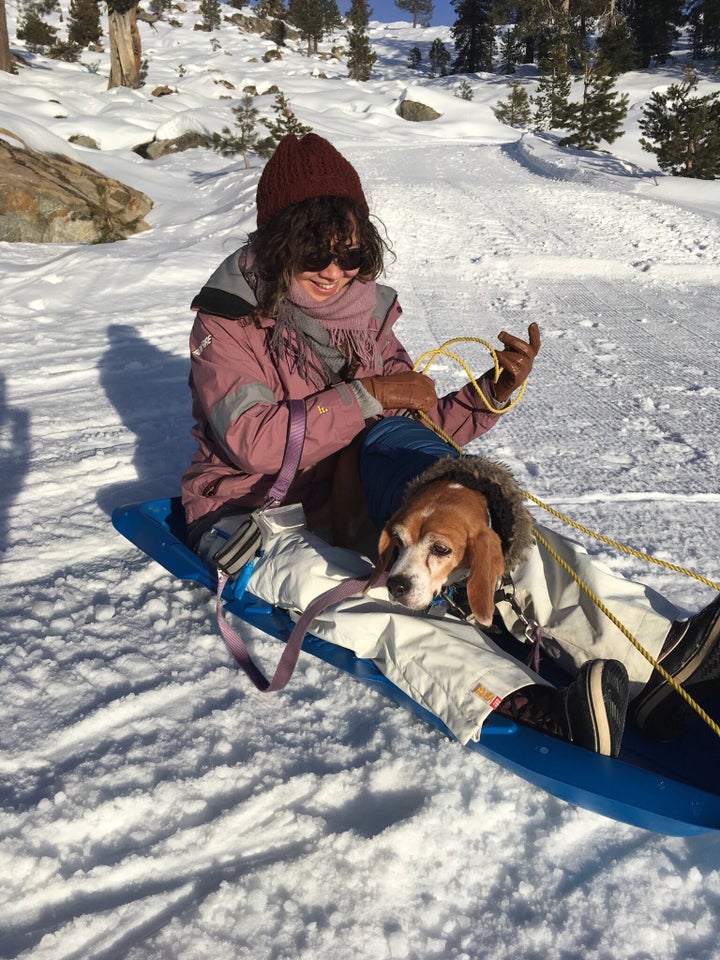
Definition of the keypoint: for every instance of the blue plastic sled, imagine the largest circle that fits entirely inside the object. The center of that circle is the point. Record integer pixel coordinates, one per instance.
(669, 788)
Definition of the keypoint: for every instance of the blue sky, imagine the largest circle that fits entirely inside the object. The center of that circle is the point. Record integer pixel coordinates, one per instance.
(386, 11)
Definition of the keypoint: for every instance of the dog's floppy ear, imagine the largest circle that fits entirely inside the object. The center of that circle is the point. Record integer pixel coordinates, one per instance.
(386, 555)
(486, 566)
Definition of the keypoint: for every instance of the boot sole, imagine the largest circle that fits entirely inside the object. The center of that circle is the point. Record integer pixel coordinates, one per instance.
(606, 689)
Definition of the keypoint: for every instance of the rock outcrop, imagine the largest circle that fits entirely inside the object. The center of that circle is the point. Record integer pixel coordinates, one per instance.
(51, 198)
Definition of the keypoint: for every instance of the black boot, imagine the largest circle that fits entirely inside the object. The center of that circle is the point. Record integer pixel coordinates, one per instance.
(691, 655)
(590, 712)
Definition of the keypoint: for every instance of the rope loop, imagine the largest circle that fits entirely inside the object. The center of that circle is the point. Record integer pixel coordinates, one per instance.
(442, 351)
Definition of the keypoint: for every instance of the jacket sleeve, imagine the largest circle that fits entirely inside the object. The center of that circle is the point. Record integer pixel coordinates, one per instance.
(240, 396)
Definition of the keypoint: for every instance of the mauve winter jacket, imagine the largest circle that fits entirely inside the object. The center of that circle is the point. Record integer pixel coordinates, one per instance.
(240, 400)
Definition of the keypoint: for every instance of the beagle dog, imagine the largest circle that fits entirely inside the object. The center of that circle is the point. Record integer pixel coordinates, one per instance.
(461, 518)
(441, 533)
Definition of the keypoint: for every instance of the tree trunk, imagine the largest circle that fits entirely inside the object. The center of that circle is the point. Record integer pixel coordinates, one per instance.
(5, 57)
(125, 48)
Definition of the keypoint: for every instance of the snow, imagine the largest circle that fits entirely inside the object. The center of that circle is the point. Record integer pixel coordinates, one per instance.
(154, 806)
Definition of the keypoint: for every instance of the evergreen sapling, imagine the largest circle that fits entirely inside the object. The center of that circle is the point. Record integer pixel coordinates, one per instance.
(246, 139)
(600, 112)
(683, 131)
(516, 110)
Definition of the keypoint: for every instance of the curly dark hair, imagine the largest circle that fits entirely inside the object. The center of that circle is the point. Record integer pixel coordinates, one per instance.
(281, 245)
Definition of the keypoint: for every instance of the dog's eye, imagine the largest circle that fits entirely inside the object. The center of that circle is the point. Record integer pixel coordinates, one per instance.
(440, 550)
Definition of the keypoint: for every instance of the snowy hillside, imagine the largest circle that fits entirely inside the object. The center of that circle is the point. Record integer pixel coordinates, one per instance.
(154, 806)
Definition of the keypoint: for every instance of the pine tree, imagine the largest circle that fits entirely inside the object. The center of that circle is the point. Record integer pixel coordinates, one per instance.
(211, 14)
(278, 32)
(683, 131)
(616, 44)
(439, 57)
(464, 91)
(34, 30)
(600, 112)
(332, 18)
(515, 111)
(553, 93)
(654, 24)
(414, 58)
(246, 140)
(285, 120)
(84, 22)
(360, 54)
(704, 20)
(510, 51)
(474, 35)
(307, 16)
(536, 23)
(421, 10)
(582, 16)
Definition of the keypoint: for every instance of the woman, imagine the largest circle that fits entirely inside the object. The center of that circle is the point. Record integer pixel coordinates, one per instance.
(297, 315)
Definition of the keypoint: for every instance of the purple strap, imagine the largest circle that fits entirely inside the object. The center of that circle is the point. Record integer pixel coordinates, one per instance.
(275, 496)
(289, 657)
(291, 458)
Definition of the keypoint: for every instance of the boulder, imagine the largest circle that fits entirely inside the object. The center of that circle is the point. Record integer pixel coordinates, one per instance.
(417, 112)
(82, 140)
(186, 141)
(261, 25)
(50, 198)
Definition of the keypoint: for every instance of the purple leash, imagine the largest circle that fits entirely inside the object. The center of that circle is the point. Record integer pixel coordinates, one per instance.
(289, 658)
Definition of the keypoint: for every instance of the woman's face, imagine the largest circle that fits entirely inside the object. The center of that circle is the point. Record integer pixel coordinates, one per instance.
(328, 270)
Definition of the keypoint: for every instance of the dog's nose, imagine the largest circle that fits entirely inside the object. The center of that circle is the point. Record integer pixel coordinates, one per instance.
(398, 586)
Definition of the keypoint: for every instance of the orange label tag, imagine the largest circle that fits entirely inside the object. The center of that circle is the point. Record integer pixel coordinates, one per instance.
(487, 696)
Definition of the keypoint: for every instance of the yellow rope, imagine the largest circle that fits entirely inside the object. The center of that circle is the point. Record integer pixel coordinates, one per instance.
(441, 351)
(621, 546)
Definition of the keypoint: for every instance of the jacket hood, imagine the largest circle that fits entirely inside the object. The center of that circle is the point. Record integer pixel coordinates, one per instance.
(509, 516)
(226, 293)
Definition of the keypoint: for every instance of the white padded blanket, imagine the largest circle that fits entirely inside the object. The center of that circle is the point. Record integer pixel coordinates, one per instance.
(448, 666)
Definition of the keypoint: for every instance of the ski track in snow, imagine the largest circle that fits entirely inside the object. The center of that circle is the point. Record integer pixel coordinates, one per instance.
(157, 807)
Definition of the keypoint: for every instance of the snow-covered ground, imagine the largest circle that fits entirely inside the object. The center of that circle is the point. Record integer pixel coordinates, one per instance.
(154, 806)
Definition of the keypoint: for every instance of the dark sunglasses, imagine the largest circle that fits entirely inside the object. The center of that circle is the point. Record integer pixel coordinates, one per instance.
(347, 258)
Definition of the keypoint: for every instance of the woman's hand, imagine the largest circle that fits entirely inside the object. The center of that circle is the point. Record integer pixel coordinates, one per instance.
(516, 362)
(402, 391)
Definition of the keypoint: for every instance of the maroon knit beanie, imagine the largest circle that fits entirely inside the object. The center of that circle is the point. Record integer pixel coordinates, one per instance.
(305, 168)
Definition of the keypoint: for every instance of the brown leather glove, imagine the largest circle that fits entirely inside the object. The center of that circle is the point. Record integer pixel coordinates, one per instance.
(516, 361)
(402, 391)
